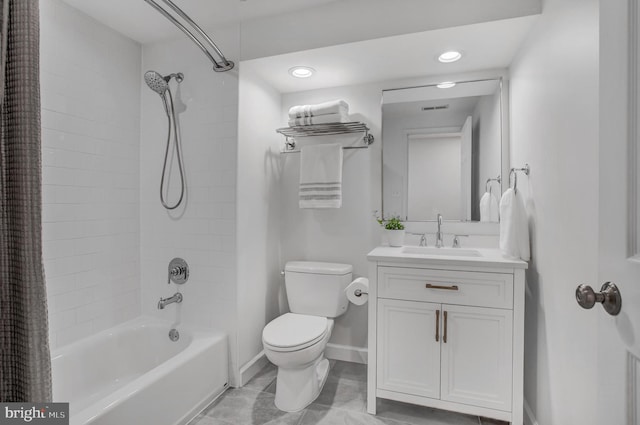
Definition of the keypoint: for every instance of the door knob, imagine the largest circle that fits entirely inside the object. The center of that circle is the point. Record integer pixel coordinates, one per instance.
(609, 296)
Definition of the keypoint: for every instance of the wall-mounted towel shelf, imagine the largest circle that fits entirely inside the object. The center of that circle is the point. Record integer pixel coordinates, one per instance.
(331, 129)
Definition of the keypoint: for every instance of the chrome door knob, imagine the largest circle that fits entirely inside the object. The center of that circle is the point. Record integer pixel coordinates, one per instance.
(609, 296)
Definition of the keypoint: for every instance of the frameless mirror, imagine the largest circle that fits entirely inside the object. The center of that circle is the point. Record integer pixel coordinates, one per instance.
(442, 151)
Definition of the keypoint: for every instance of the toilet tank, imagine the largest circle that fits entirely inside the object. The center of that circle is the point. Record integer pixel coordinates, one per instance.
(317, 288)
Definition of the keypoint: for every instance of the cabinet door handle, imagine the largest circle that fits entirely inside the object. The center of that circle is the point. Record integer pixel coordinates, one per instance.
(444, 337)
(448, 288)
(437, 325)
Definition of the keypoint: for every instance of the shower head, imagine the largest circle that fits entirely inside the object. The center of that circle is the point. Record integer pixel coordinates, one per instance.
(158, 83)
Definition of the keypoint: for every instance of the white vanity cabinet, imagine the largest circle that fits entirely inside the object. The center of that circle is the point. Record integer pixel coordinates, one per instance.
(447, 332)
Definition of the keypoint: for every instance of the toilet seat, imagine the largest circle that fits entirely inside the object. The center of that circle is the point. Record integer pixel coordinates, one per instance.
(293, 332)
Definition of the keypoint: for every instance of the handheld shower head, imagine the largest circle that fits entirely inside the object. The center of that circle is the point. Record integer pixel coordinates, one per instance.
(158, 83)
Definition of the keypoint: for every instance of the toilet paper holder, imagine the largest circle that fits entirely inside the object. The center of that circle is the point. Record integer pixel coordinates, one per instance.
(359, 293)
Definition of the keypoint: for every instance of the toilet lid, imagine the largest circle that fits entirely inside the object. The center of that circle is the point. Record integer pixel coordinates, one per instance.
(294, 330)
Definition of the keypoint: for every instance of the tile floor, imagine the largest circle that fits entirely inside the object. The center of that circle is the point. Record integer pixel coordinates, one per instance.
(342, 402)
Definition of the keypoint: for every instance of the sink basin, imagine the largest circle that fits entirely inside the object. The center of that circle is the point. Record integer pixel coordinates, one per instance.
(429, 250)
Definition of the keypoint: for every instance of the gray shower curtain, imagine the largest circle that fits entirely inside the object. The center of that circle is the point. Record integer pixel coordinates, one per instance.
(25, 364)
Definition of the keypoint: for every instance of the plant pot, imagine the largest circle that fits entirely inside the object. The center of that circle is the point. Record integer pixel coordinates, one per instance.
(395, 237)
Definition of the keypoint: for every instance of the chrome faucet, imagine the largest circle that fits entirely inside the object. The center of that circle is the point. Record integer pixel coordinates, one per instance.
(439, 243)
(177, 298)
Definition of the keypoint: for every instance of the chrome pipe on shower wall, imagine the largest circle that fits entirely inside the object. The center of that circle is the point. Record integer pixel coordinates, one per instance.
(217, 66)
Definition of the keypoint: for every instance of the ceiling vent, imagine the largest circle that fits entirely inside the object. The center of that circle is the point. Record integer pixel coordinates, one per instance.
(435, 108)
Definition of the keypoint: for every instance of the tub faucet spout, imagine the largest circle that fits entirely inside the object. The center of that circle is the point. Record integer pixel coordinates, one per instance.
(177, 298)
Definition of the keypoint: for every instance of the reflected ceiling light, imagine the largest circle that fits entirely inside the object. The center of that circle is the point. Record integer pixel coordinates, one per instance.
(450, 56)
(446, 85)
(301, 71)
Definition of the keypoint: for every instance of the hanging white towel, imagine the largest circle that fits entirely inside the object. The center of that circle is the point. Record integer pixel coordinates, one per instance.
(514, 228)
(489, 208)
(485, 207)
(320, 119)
(332, 107)
(321, 176)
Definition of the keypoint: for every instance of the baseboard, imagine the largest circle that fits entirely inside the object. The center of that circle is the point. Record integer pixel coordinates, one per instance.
(346, 353)
(252, 367)
(529, 417)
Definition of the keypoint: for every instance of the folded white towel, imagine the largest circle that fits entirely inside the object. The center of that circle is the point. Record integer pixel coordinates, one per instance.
(489, 209)
(514, 228)
(321, 176)
(332, 107)
(320, 119)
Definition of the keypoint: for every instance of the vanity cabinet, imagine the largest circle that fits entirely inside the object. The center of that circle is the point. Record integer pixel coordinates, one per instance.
(447, 334)
(409, 357)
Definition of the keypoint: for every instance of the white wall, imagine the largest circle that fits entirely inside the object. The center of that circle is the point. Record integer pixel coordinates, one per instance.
(343, 235)
(554, 122)
(90, 143)
(203, 230)
(258, 225)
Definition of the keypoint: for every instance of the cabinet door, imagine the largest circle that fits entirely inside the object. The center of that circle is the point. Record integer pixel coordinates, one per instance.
(477, 356)
(408, 353)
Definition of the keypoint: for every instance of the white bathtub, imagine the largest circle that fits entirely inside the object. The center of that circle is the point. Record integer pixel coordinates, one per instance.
(134, 374)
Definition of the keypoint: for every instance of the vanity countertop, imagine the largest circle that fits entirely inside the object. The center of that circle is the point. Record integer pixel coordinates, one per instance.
(487, 257)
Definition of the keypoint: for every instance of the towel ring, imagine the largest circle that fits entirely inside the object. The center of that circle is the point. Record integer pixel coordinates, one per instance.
(487, 185)
(514, 171)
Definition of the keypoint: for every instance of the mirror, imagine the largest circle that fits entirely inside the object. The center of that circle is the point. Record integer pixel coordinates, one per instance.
(442, 151)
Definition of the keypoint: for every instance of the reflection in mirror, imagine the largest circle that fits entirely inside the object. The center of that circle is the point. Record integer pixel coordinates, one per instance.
(442, 151)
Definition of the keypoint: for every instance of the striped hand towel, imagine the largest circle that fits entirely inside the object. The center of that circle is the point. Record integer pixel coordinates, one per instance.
(321, 176)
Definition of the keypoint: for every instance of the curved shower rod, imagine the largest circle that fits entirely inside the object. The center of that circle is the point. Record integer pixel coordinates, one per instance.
(217, 66)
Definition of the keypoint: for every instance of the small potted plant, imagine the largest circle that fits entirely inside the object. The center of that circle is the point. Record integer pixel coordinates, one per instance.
(394, 229)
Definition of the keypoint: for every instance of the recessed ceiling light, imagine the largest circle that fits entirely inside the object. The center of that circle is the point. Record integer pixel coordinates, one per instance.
(301, 71)
(450, 56)
(446, 85)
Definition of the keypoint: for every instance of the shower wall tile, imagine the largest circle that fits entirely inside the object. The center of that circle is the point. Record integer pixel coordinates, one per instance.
(90, 94)
(203, 229)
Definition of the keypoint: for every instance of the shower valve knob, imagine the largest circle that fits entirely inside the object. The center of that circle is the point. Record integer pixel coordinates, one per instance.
(178, 271)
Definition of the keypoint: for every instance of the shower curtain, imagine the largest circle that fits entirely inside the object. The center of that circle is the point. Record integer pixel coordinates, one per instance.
(25, 364)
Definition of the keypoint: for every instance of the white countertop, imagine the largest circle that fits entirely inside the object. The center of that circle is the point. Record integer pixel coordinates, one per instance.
(488, 258)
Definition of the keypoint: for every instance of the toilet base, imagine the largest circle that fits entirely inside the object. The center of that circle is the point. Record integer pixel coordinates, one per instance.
(298, 388)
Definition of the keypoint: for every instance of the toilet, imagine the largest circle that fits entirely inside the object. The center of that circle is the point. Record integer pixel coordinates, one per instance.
(295, 341)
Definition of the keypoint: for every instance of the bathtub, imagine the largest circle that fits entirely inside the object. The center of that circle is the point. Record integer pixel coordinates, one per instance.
(134, 374)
